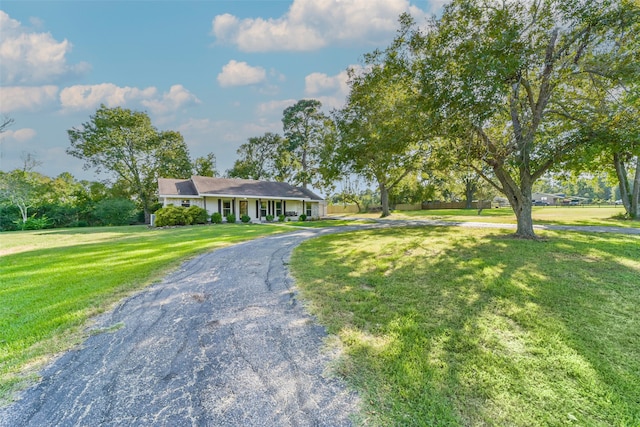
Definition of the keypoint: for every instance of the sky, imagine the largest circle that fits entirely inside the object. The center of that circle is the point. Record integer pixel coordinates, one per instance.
(217, 71)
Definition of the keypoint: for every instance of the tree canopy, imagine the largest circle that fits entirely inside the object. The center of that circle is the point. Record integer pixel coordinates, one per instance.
(126, 144)
(499, 75)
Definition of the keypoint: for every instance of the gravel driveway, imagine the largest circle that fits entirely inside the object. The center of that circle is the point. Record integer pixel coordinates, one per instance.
(220, 342)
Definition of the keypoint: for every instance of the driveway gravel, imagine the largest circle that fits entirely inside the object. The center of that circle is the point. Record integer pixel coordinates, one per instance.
(220, 342)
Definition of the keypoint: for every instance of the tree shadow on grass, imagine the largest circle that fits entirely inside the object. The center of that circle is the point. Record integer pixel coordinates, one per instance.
(449, 327)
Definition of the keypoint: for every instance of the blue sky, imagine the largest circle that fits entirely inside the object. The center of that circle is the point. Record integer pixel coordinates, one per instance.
(218, 72)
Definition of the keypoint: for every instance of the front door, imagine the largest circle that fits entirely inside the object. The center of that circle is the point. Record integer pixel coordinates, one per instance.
(244, 208)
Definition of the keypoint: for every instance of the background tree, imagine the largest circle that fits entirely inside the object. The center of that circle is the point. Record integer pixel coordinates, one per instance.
(205, 166)
(262, 158)
(306, 129)
(382, 133)
(606, 111)
(5, 122)
(124, 143)
(501, 70)
(22, 189)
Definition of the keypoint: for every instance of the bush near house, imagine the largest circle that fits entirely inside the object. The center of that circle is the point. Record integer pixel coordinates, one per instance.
(269, 218)
(302, 217)
(196, 215)
(178, 215)
(170, 216)
(231, 218)
(281, 218)
(216, 218)
(245, 218)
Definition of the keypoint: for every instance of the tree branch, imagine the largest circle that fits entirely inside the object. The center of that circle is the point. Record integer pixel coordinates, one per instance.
(486, 178)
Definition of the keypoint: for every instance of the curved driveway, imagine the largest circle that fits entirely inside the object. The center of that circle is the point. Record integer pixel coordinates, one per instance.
(220, 342)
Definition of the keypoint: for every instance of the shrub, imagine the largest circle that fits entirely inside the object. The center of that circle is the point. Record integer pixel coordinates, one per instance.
(154, 207)
(245, 218)
(302, 217)
(231, 219)
(115, 211)
(59, 215)
(281, 218)
(196, 215)
(216, 218)
(269, 218)
(8, 216)
(171, 215)
(140, 217)
(33, 223)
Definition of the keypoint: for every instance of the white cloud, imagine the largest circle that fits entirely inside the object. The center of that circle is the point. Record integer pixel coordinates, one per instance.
(20, 135)
(87, 97)
(81, 97)
(15, 98)
(240, 74)
(31, 57)
(313, 24)
(331, 91)
(316, 83)
(275, 107)
(171, 101)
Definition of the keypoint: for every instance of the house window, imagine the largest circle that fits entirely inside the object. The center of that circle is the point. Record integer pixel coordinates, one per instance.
(226, 208)
(278, 208)
(263, 209)
(185, 203)
(308, 206)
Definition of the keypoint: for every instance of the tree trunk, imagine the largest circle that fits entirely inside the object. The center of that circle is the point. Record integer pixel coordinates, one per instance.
(469, 191)
(525, 221)
(623, 182)
(519, 196)
(24, 212)
(635, 193)
(384, 200)
(146, 207)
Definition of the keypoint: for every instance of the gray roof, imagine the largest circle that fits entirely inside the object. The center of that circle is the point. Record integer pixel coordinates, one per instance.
(176, 187)
(203, 185)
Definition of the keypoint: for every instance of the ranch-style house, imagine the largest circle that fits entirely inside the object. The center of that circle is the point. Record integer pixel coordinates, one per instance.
(257, 199)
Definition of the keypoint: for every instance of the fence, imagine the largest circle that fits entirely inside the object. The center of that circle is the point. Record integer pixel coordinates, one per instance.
(341, 209)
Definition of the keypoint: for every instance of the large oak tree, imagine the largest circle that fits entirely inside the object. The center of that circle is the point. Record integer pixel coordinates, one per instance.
(499, 72)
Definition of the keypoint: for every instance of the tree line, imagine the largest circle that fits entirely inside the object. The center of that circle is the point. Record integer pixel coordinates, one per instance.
(496, 97)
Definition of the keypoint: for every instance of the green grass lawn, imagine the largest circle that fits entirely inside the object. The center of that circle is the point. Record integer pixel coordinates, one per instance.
(447, 326)
(53, 281)
(567, 215)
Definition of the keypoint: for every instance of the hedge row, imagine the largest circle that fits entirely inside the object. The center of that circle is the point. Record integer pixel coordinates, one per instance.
(179, 215)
